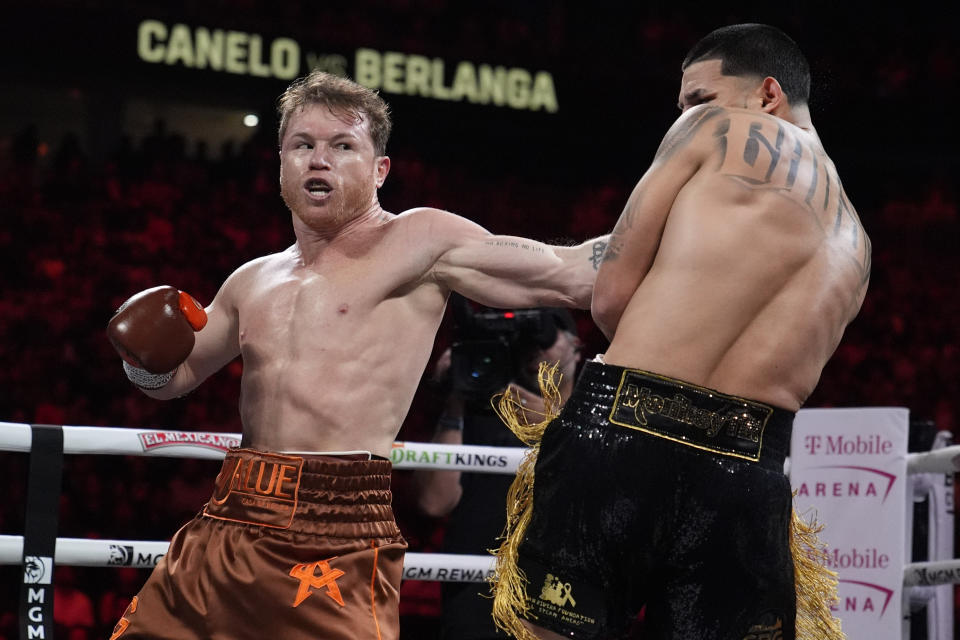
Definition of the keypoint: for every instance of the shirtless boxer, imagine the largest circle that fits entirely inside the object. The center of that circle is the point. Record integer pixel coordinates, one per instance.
(334, 333)
(729, 279)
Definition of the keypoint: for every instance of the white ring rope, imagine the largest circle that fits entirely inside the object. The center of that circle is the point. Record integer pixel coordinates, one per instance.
(139, 554)
(406, 455)
(931, 573)
(199, 444)
(945, 460)
(442, 567)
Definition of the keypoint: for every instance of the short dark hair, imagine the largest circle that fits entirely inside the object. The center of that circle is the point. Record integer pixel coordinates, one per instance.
(756, 50)
(341, 96)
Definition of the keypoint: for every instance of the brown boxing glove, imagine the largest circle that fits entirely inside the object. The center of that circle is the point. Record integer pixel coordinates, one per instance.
(154, 329)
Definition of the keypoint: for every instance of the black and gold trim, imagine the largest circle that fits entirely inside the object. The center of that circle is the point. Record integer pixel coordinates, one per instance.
(559, 563)
(691, 415)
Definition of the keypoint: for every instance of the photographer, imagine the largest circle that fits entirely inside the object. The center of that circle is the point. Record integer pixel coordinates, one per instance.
(493, 350)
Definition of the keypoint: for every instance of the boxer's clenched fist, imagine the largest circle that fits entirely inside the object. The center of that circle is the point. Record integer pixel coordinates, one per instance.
(153, 332)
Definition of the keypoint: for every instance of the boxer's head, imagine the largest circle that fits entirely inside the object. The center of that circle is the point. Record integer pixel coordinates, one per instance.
(333, 135)
(341, 96)
(750, 66)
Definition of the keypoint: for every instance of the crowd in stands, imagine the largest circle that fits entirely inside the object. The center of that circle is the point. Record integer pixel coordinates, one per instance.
(82, 234)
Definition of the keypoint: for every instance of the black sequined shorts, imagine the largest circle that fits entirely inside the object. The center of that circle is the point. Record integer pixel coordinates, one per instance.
(652, 492)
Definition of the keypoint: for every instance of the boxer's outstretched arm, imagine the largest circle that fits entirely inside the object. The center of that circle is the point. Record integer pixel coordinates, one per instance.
(513, 272)
(636, 237)
(216, 344)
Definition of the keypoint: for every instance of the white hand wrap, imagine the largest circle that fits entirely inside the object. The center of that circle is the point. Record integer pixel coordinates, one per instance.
(144, 379)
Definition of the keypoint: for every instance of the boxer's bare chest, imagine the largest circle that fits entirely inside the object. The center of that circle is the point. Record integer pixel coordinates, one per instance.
(345, 292)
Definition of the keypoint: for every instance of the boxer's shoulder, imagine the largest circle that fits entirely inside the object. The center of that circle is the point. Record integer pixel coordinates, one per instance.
(258, 267)
(426, 217)
(442, 223)
(437, 229)
(255, 273)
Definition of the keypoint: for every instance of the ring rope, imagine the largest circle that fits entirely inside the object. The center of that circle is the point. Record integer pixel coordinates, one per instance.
(945, 460)
(16, 437)
(931, 573)
(210, 445)
(140, 554)
(441, 567)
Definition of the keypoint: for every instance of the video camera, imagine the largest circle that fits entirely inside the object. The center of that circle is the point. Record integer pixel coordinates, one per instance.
(493, 346)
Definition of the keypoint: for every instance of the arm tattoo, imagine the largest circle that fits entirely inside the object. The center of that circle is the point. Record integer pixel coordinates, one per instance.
(517, 244)
(598, 254)
(613, 249)
(679, 136)
(618, 238)
(503, 243)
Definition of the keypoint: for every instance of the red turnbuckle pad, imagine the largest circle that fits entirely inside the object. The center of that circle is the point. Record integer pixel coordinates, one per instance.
(192, 311)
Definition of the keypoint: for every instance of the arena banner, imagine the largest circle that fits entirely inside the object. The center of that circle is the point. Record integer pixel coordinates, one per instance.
(258, 55)
(849, 469)
(215, 57)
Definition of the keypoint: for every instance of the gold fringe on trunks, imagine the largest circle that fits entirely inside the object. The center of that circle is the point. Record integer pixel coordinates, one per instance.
(816, 585)
(508, 585)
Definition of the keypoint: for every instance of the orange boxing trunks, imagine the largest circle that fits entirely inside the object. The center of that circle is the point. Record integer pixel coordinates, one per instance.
(289, 546)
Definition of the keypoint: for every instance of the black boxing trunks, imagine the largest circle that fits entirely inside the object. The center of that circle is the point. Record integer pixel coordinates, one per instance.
(289, 546)
(652, 492)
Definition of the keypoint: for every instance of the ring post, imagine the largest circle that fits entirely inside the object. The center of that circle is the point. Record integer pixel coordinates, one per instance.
(40, 531)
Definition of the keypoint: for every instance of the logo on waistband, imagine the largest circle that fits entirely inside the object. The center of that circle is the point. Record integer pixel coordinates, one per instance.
(256, 477)
(257, 489)
(557, 592)
(679, 408)
(307, 575)
(691, 415)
